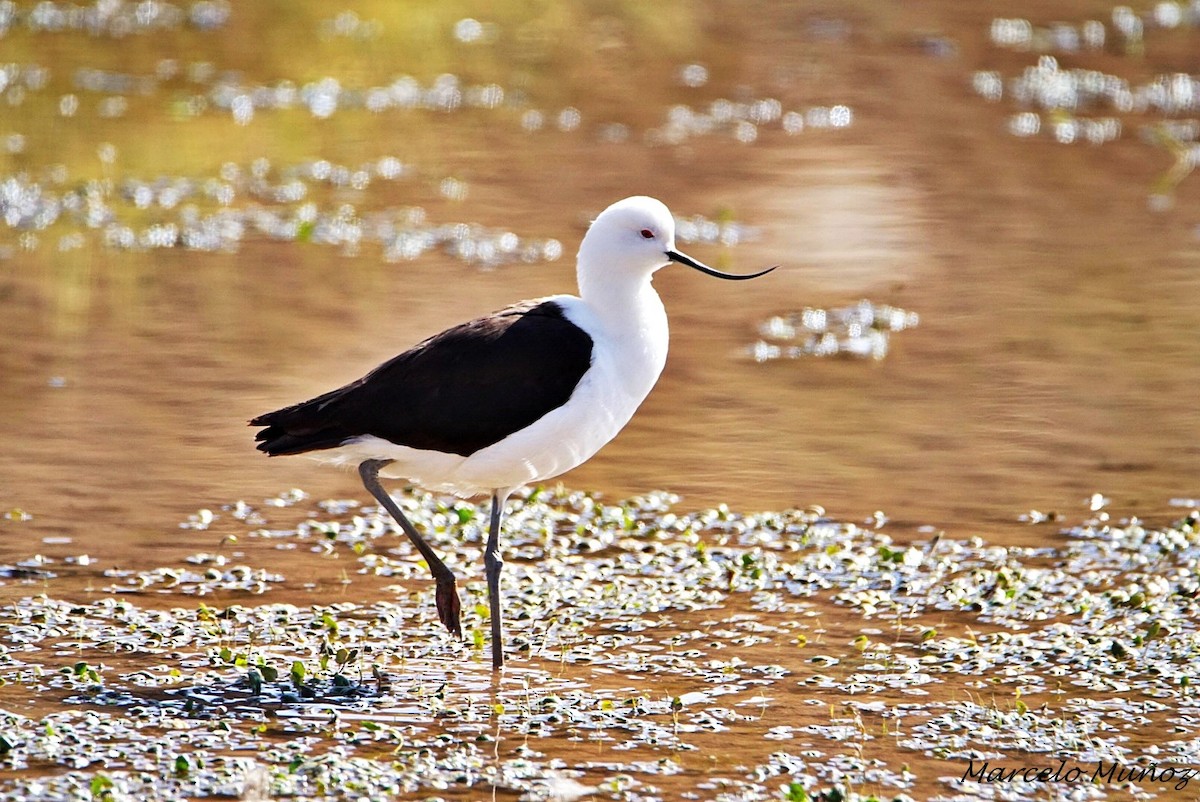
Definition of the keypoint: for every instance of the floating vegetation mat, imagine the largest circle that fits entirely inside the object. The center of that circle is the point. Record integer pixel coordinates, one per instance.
(1085, 104)
(285, 203)
(860, 331)
(655, 655)
(78, 135)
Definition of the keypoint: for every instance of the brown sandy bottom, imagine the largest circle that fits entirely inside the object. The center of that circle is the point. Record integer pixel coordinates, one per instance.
(714, 655)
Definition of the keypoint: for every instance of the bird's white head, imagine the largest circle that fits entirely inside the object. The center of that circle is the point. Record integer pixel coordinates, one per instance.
(632, 236)
(632, 239)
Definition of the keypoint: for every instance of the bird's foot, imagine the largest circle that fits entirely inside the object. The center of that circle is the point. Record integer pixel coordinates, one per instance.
(448, 606)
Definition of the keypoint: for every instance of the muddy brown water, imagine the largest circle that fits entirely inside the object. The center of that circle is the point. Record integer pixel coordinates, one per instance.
(1056, 356)
(1054, 359)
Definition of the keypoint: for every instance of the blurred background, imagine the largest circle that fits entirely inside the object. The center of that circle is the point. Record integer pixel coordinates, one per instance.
(213, 209)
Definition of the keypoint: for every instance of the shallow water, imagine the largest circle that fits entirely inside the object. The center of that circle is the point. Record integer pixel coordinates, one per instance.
(1055, 356)
(1053, 359)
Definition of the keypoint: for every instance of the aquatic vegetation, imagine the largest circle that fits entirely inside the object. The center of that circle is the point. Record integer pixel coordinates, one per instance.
(654, 637)
(69, 187)
(861, 330)
(116, 20)
(218, 212)
(1093, 106)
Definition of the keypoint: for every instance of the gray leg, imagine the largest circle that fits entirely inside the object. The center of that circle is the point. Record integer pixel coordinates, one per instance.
(493, 563)
(446, 594)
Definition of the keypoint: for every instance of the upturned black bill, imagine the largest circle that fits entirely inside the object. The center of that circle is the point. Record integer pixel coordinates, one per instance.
(684, 259)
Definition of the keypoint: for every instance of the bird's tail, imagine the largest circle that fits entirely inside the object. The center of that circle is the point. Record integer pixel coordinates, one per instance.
(306, 426)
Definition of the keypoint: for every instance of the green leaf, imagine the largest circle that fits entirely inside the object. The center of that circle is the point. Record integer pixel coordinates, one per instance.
(795, 792)
(888, 555)
(101, 787)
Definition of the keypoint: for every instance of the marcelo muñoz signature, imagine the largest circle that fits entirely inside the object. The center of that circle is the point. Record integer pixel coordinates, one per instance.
(1103, 772)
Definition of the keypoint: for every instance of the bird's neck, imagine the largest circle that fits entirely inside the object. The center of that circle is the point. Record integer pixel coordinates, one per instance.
(624, 304)
(631, 318)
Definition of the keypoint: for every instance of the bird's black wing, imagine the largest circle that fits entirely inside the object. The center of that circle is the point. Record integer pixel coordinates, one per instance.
(457, 392)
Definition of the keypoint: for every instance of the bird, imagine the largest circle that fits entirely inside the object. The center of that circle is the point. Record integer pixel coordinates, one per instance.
(509, 399)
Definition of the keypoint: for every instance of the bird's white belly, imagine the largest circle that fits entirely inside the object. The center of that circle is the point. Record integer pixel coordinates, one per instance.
(622, 374)
(558, 441)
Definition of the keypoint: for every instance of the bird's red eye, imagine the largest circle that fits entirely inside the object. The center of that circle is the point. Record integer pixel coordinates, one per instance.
(647, 234)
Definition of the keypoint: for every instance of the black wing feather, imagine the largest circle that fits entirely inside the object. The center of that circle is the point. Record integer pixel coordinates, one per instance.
(457, 392)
